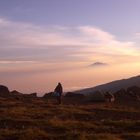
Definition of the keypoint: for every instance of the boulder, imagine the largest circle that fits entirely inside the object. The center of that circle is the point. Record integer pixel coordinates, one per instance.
(32, 95)
(47, 95)
(19, 95)
(97, 96)
(4, 91)
(131, 94)
(72, 94)
(120, 93)
(16, 93)
(134, 92)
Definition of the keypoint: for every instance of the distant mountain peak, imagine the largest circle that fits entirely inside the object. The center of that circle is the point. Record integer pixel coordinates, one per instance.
(98, 64)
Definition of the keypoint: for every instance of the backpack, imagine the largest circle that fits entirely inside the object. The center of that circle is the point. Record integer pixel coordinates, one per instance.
(56, 94)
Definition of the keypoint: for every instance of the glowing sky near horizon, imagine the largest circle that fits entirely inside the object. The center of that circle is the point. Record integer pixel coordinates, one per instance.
(43, 42)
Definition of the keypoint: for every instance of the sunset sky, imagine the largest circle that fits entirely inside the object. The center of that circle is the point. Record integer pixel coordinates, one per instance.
(80, 43)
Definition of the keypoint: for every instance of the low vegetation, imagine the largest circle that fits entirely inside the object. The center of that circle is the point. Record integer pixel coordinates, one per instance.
(39, 120)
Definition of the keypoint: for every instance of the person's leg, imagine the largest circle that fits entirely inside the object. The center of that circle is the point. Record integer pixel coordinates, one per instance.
(59, 99)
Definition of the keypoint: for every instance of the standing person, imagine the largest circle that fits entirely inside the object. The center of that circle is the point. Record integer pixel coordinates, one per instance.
(59, 90)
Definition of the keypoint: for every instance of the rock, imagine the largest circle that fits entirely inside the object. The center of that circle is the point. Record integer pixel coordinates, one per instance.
(47, 95)
(4, 91)
(120, 93)
(72, 94)
(16, 93)
(32, 95)
(134, 89)
(134, 92)
(97, 96)
(21, 96)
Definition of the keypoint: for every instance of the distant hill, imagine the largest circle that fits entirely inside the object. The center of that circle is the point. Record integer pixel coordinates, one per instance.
(98, 64)
(113, 86)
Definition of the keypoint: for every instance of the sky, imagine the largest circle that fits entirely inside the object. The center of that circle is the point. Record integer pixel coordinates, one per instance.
(80, 43)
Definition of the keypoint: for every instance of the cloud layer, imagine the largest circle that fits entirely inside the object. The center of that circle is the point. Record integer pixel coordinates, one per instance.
(28, 42)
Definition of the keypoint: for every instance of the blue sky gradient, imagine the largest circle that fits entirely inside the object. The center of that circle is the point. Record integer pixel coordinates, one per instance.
(119, 17)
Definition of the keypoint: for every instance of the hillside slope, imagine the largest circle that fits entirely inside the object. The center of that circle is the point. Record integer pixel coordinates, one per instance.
(114, 85)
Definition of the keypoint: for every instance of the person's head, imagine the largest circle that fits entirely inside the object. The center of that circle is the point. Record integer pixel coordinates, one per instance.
(59, 83)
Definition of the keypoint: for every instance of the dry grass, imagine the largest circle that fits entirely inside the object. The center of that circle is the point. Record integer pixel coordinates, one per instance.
(37, 120)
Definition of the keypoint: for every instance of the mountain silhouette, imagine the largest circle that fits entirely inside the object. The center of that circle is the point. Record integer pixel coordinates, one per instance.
(98, 64)
(113, 86)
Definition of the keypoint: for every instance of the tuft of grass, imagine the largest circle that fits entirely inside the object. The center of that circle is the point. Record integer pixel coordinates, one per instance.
(125, 125)
(33, 134)
(132, 136)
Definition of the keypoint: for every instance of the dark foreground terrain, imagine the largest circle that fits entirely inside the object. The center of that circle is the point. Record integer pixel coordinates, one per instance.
(35, 119)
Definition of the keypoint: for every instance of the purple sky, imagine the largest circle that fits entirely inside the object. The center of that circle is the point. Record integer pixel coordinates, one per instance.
(51, 36)
(119, 17)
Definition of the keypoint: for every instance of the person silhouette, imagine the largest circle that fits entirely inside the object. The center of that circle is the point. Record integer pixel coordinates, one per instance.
(58, 91)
